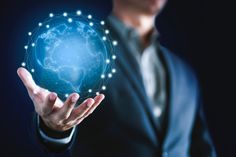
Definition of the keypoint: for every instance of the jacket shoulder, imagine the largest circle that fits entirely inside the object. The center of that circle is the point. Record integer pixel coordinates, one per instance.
(178, 65)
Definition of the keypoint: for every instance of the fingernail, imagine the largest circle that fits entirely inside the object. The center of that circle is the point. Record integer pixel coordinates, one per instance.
(90, 103)
(74, 98)
(103, 96)
(52, 97)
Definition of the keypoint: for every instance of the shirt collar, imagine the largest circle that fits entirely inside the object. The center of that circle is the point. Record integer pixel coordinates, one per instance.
(129, 33)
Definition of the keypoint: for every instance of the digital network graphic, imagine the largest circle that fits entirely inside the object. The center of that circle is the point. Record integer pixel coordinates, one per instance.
(71, 53)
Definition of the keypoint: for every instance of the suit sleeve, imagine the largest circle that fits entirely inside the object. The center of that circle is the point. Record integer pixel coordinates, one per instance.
(201, 143)
(53, 141)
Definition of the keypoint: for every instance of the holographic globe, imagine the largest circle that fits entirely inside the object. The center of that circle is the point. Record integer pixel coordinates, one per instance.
(70, 53)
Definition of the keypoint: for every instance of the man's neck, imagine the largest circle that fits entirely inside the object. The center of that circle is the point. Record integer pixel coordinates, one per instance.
(143, 24)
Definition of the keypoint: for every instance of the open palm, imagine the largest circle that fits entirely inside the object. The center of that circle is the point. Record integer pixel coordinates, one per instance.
(56, 114)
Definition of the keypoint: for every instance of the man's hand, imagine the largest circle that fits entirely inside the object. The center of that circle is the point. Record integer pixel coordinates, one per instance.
(57, 115)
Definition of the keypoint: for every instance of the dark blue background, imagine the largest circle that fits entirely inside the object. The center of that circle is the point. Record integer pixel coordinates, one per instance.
(199, 31)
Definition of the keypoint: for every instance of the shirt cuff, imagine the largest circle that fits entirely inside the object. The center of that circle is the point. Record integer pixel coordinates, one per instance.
(52, 136)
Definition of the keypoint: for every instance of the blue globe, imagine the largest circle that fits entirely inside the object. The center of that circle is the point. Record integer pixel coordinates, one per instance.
(70, 53)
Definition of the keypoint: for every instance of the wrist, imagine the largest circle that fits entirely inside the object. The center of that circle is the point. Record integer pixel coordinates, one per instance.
(52, 132)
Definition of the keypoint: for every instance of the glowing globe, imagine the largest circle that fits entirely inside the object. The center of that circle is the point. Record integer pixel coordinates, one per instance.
(70, 53)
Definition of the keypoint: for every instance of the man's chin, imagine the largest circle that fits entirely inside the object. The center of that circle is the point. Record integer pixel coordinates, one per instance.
(155, 9)
(152, 11)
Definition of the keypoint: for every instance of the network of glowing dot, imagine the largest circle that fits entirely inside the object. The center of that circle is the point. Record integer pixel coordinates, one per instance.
(69, 53)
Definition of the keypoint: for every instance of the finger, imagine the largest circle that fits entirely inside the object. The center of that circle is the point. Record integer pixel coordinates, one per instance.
(79, 111)
(68, 106)
(48, 107)
(98, 99)
(27, 79)
(78, 121)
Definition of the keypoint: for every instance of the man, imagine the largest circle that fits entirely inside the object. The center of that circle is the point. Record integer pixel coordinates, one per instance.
(152, 106)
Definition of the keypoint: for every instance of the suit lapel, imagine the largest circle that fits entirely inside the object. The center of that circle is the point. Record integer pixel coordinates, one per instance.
(128, 64)
(173, 87)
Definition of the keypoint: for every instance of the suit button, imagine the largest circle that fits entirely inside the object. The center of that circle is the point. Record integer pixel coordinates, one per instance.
(164, 154)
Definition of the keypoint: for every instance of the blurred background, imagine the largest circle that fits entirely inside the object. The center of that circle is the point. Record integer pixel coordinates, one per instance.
(198, 31)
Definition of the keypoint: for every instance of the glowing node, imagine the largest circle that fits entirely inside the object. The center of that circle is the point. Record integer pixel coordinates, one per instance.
(32, 70)
(90, 24)
(157, 112)
(113, 70)
(106, 31)
(70, 53)
(109, 75)
(51, 15)
(65, 14)
(89, 16)
(103, 87)
(70, 20)
(102, 76)
(114, 43)
(102, 23)
(23, 64)
(108, 61)
(113, 57)
(104, 38)
(78, 12)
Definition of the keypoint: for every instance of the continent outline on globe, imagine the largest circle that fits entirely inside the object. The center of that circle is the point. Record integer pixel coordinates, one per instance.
(70, 53)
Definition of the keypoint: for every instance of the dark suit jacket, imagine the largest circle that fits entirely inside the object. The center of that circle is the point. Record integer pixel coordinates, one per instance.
(124, 125)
